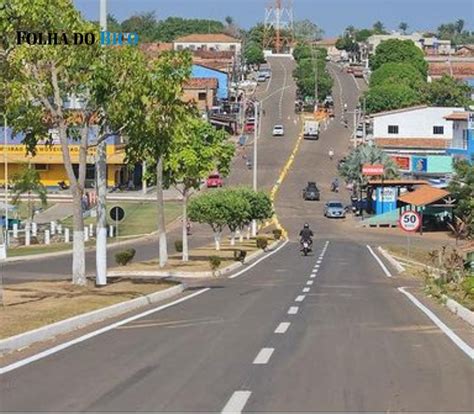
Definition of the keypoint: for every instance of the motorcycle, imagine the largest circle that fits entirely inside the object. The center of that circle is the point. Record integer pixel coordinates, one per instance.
(62, 185)
(335, 187)
(306, 247)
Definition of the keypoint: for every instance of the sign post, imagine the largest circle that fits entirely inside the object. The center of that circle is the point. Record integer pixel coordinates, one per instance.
(410, 221)
(117, 214)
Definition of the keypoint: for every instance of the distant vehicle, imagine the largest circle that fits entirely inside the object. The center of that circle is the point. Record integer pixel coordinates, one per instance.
(278, 131)
(266, 72)
(334, 209)
(311, 130)
(360, 131)
(349, 70)
(214, 181)
(329, 101)
(331, 112)
(311, 192)
(249, 125)
(262, 77)
(328, 58)
(358, 72)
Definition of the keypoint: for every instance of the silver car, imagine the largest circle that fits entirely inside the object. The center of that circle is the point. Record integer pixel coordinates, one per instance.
(334, 209)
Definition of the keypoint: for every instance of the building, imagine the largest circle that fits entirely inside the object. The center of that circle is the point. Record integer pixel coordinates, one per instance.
(435, 46)
(465, 50)
(458, 68)
(417, 138)
(211, 41)
(153, 50)
(201, 71)
(201, 91)
(462, 144)
(429, 45)
(330, 45)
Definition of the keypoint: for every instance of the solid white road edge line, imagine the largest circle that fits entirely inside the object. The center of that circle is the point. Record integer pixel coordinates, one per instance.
(237, 402)
(384, 268)
(60, 347)
(259, 260)
(440, 324)
(263, 356)
(283, 327)
(293, 310)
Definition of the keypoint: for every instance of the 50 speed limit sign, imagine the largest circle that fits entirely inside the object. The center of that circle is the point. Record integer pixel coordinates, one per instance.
(410, 221)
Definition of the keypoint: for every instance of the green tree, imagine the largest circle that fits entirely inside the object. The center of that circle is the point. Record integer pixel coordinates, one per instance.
(403, 27)
(173, 27)
(253, 53)
(447, 91)
(399, 51)
(390, 96)
(144, 24)
(462, 189)
(397, 73)
(347, 43)
(197, 149)
(378, 27)
(305, 76)
(306, 30)
(363, 34)
(162, 110)
(28, 183)
(237, 211)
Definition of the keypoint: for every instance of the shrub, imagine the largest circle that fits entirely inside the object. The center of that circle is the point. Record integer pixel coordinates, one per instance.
(215, 262)
(125, 257)
(178, 245)
(262, 242)
(240, 255)
(277, 234)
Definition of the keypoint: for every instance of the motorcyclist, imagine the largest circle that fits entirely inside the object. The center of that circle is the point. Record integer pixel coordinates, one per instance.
(306, 234)
(331, 154)
(335, 185)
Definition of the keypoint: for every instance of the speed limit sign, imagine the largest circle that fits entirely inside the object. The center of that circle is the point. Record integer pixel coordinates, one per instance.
(410, 221)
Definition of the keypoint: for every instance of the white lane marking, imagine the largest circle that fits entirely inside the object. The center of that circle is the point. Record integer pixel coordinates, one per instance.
(92, 334)
(440, 324)
(237, 402)
(316, 266)
(300, 298)
(309, 282)
(384, 268)
(306, 290)
(258, 261)
(313, 275)
(293, 310)
(263, 356)
(283, 327)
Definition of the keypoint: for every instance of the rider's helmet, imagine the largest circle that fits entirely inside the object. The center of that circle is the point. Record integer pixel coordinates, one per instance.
(306, 225)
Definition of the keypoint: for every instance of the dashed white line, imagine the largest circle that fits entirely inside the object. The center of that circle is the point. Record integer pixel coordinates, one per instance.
(384, 268)
(263, 356)
(309, 282)
(237, 402)
(293, 310)
(313, 275)
(451, 335)
(319, 261)
(300, 298)
(316, 266)
(306, 290)
(282, 328)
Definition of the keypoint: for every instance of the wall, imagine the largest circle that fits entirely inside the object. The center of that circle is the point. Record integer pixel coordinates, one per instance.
(199, 71)
(190, 95)
(208, 46)
(416, 123)
(456, 150)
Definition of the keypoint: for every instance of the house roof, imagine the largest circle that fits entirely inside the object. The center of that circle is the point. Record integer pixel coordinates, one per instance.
(154, 49)
(209, 65)
(457, 116)
(225, 55)
(399, 111)
(207, 38)
(423, 196)
(398, 182)
(401, 142)
(201, 83)
(330, 41)
(459, 70)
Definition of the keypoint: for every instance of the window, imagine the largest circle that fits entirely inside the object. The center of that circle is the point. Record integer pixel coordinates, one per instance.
(179, 47)
(41, 167)
(232, 47)
(438, 130)
(202, 96)
(393, 129)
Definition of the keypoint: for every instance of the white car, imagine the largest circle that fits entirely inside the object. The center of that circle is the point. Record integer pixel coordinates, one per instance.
(278, 131)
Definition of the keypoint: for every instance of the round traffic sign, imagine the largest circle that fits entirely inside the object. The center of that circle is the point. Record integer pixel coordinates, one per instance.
(117, 213)
(410, 221)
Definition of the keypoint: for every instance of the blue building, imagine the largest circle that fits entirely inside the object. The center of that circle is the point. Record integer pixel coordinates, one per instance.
(462, 145)
(201, 71)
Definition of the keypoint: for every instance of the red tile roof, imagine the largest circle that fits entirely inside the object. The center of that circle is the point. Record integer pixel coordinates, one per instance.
(207, 38)
(154, 49)
(201, 83)
(423, 196)
(458, 70)
(411, 142)
(214, 54)
(457, 116)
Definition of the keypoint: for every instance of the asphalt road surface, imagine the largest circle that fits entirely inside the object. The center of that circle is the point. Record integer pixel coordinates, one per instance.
(327, 332)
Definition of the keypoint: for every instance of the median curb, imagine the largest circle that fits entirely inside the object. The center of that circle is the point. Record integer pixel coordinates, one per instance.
(191, 275)
(48, 332)
(459, 310)
(395, 263)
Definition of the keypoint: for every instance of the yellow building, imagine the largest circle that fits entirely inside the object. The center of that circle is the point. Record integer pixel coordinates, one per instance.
(48, 161)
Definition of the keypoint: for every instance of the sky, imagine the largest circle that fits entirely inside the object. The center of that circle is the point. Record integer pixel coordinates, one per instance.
(332, 15)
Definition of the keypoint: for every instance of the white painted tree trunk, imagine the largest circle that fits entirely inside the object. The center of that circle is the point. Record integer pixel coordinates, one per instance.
(47, 238)
(217, 240)
(163, 244)
(78, 247)
(34, 229)
(248, 232)
(232, 238)
(66, 235)
(28, 233)
(185, 257)
(241, 236)
(101, 220)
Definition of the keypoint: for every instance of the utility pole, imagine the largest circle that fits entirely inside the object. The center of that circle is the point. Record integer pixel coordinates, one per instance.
(316, 89)
(256, 133)
(364, 132)
(101, 189)
(5, 160)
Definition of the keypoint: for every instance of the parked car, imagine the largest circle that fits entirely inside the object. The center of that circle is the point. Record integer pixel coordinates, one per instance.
(214, 181)
(311, 192)
(334, 209)
(331, 112)
(261, 77)
(278, 131)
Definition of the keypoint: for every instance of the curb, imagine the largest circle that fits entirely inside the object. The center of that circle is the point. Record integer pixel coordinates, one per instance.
(395, 263)
(459, 310)
(191, 275)
(50, 331)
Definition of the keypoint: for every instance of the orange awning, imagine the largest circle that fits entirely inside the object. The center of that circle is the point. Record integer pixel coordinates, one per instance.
(423, 196)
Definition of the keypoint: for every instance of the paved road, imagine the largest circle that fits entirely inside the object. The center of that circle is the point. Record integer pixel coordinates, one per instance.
(329, 332)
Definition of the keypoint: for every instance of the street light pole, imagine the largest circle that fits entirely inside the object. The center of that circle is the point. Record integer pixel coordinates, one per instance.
(256, 133)
(5, 160)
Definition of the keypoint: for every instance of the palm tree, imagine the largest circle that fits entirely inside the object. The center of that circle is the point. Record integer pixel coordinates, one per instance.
(459, 25)
(229, 20)
(28, 182)
(379, 27)
(403, 27)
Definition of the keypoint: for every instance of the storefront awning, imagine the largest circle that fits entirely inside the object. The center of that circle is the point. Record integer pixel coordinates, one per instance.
(423, 196)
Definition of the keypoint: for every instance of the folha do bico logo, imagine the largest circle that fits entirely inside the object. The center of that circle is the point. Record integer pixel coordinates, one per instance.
(76, 38)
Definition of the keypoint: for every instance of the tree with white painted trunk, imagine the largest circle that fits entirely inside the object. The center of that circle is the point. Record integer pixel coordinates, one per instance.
(260, 207)
(197, 150)
(162, 109)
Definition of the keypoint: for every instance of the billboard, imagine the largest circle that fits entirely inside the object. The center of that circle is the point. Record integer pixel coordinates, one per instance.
(419, 164)
(402, 162)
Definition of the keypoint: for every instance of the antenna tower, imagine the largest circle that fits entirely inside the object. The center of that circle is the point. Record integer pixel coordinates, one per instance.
(278, 30)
